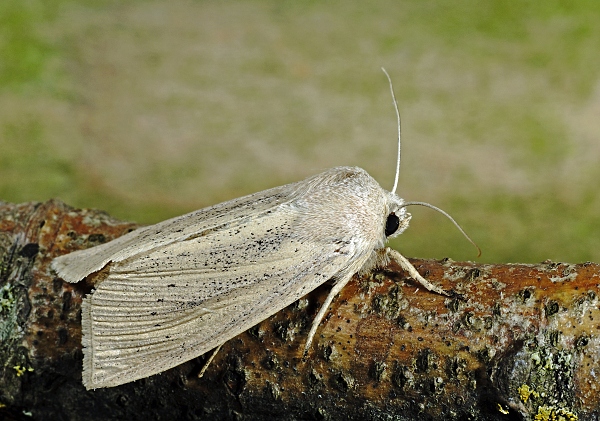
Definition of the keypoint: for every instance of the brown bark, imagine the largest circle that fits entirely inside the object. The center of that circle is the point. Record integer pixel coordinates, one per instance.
(519, 341)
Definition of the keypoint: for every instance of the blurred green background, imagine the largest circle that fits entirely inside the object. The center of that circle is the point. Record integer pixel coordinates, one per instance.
(149, 109)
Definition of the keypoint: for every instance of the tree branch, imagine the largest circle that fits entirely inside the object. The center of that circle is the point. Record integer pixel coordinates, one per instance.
(514, 342)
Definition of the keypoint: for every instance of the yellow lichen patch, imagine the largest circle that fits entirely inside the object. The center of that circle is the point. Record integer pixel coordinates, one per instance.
(543, 413)
(21, 370)
(549, 413)
(525, 392)
(502, 409)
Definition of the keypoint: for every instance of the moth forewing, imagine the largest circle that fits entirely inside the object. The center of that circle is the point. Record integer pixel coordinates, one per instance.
(164, 304)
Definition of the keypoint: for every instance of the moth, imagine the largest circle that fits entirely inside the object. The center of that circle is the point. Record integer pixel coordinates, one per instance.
(173, 291)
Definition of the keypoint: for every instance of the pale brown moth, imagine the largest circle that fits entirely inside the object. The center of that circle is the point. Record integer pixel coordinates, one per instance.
(175, 290)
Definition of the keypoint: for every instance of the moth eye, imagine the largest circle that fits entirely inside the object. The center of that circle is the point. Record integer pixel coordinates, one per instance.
(392, 224)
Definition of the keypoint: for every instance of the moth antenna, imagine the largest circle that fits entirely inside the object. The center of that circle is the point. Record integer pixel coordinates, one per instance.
(398, 117)
(435, 208)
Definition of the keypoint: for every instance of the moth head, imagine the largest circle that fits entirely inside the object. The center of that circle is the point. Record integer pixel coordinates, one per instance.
(397, 218)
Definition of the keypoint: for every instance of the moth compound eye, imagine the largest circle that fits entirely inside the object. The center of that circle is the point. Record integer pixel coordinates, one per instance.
(392, 224)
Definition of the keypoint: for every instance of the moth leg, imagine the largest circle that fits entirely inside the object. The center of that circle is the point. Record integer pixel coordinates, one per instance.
(337, 287)
(407, 266)
(207, 363)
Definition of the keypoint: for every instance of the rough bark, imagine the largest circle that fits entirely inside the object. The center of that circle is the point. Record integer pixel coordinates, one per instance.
(519, 342)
